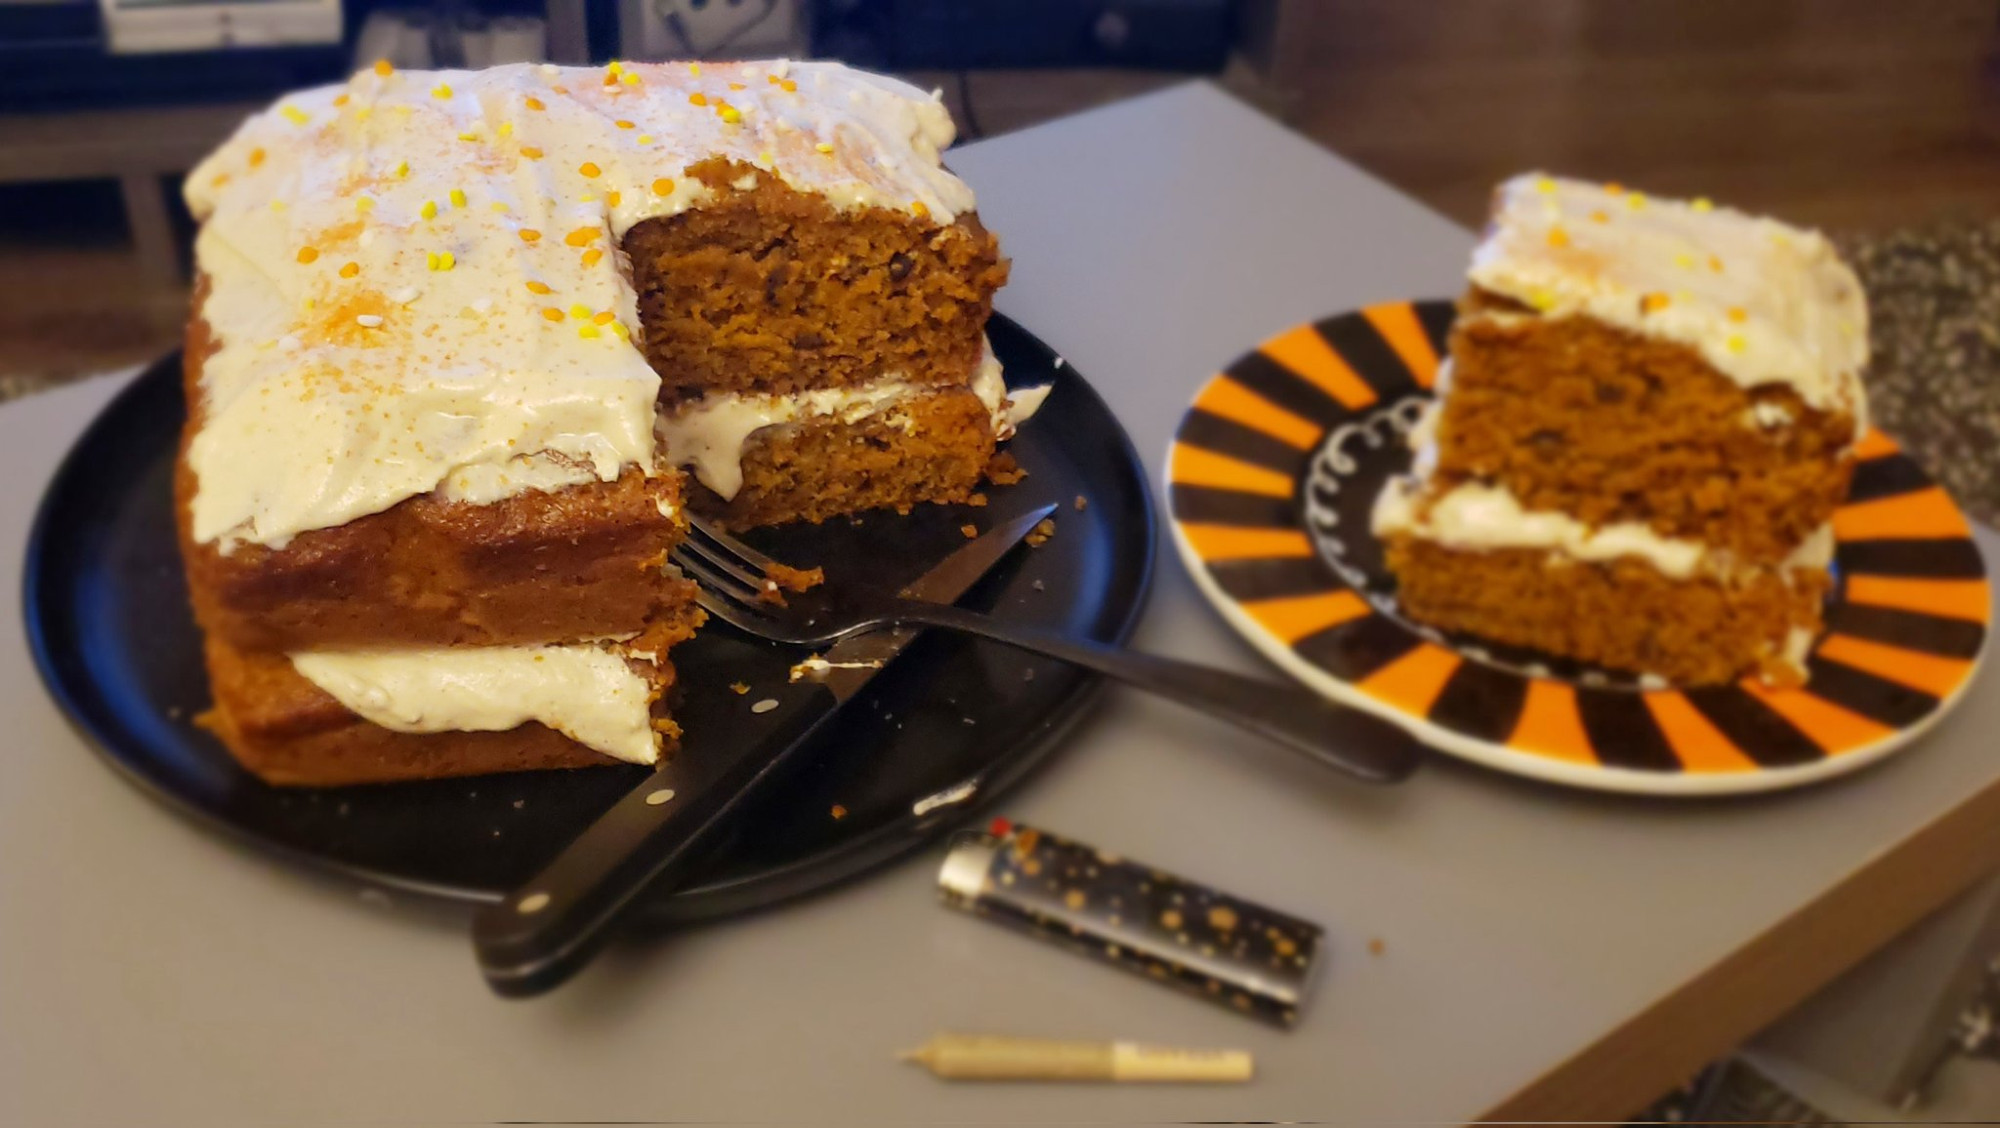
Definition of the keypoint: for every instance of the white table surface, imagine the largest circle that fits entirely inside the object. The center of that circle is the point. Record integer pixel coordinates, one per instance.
(153, 973)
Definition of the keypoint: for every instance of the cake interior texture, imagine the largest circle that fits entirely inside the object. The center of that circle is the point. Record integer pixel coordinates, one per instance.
(815, 362)
(1646, 425)
(769, 290)
(455, 336)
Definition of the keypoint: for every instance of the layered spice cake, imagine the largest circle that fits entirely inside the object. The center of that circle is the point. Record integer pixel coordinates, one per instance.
(453, 334)
(1648, 418)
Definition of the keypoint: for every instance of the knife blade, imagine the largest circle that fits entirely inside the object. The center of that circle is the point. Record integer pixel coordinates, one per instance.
(854, 661)
(542, 933)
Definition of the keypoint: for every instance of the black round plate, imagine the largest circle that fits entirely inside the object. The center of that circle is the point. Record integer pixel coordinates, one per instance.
(952, 721)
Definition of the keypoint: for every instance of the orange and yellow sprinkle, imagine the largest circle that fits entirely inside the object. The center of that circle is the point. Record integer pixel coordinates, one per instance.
(530, 235)
(349, 270)
(1702, 204)
(918, 209)
(579, 311)
(295, 115)
(308, 254)
(534, 103)
(256, 157)
(530, 152)
(729, 114)
(698, 99)
(582, 237)
(458, 197)
(1558, 238)
(441, 90)
(602, 317)
(1653, 303)
(613, 198)
(535, 287)
(442, 260)
(590, 170)
(663, 187)
(623, 124)
(591, 257)
(1738, 315)
(429, 210)
(553, 314)
(384, 68)
(586, 331)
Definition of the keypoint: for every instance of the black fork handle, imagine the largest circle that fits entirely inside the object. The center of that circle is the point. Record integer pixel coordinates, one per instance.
(1351, 740)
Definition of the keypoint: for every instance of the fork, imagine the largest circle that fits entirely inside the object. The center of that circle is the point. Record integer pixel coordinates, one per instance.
(735, 586)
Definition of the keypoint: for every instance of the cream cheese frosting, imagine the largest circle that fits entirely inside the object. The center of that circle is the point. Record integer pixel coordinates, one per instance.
(708, 435)
(413, 279)
(588, 693)
(1762, 302)
(1477, 517)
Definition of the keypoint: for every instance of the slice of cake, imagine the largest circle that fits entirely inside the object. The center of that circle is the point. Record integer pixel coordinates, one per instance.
(455, 332)
(1649, 417)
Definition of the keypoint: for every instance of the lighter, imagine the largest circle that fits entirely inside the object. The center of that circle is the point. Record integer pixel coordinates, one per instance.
(1257, 960)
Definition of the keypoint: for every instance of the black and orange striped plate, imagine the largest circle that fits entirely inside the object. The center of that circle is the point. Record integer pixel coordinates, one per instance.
(1270, 481)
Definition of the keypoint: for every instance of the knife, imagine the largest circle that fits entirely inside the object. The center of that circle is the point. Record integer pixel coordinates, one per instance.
(542, 933)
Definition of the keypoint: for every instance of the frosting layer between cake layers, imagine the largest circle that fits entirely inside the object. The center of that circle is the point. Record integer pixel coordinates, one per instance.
(413, 279)
(1477, 517)
(1762, 302)
(588, 693)
(708, 435)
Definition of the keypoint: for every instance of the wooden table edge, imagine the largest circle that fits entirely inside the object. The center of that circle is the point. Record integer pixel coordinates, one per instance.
(1766, 977)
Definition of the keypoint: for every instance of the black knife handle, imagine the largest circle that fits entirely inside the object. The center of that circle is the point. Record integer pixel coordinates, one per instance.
(542, 933)
(1350, 740)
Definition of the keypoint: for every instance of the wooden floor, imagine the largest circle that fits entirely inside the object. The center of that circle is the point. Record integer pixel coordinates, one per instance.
(1844, 114)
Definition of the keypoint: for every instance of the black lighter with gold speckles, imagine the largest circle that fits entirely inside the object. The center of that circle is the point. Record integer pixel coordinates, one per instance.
(1237, 954)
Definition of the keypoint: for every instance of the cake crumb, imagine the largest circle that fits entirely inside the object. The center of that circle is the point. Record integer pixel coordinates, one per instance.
(970, 530)
(520, 803)
(839, 812)
(739, 688)
(1039, 586)
(1081, 503)
(795, 579)
(1042, 532)
(780, 578)
(1376, 947)
(1002, 470)
(977, 501)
